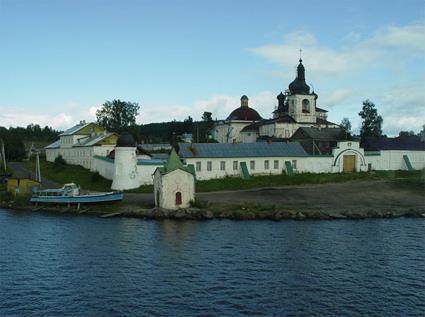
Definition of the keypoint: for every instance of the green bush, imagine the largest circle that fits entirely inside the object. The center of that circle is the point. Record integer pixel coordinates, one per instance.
(95, 177)
(59, 161)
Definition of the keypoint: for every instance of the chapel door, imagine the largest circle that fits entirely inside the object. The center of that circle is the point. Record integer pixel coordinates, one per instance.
(178, 198)
(349, 163)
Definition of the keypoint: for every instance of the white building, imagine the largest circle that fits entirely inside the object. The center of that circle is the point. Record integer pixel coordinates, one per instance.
(215, 160)
(79, 144)
(174, 184)
(296, 108)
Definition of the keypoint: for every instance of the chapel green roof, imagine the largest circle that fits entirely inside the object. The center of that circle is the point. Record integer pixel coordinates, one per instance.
(174, 163)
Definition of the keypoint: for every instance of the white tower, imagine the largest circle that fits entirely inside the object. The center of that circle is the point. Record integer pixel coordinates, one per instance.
(125, 164)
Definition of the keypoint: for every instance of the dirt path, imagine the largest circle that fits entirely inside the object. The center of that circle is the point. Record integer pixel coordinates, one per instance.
(19, 169)
(354, 195)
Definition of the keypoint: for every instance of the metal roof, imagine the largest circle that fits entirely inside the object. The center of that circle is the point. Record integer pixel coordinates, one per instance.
(90, 141)
(74, 129)
(54, 145)
(320, 133)
(411, 143)
(217, 150)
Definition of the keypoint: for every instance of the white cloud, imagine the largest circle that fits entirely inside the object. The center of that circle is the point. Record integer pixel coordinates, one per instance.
(336, 97)
(219, 105)
(70, 114)
(382, 47)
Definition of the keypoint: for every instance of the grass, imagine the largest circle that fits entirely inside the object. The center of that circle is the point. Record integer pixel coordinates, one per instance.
(71, 173)
(403, 179)
(92, 181)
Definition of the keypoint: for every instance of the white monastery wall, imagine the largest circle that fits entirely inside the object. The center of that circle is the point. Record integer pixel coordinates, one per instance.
(103, 167)
(393, 160)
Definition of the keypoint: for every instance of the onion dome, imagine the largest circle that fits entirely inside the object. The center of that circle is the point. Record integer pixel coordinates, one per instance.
(281, 102)
(299, 86)
(126, 140)
(244, 97)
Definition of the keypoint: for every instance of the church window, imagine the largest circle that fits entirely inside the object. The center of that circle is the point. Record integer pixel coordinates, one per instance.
(223, 165)
(235, 165)
(306, 106)
(198, 166)
(252, 165)
(276, 164)
(294, 164)
(209, 166)
(266, 164)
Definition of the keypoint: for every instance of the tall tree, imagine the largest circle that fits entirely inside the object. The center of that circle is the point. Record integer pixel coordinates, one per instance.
(117, 115)
(346, 124)
(207, 116)
(371, 121)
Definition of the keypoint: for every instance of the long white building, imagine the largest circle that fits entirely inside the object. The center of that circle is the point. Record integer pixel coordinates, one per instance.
(219, 160)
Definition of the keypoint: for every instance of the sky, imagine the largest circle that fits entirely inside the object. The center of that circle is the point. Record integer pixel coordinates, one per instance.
(60, 60)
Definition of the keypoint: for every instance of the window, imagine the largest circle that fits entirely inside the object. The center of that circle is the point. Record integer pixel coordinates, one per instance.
(198, 166)
(294, 164)
(235, 165)
(306, 106)
(209, 166)
(266, 164)
(276, 164)
(252, 165)
(223, 165)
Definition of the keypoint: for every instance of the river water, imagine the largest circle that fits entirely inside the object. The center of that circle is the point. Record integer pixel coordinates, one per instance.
(59, 265)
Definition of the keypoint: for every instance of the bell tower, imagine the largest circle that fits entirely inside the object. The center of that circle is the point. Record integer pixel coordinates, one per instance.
(301, 103)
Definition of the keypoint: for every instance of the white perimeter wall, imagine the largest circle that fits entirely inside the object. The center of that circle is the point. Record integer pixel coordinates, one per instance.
(393, 160)
(103, 167)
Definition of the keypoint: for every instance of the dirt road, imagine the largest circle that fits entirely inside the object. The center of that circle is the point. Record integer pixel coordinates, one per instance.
(339, 197)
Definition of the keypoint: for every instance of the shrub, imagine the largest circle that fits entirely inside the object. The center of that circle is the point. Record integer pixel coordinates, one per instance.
(95, 177)
(59, 161)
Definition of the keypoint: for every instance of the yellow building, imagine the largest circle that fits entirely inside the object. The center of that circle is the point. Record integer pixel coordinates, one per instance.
(22, 184)
(79, 144)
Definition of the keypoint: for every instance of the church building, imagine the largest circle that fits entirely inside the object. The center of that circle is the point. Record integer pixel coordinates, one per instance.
(297, 108)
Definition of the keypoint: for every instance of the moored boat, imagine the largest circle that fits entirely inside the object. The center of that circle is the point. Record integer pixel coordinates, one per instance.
(70, 194)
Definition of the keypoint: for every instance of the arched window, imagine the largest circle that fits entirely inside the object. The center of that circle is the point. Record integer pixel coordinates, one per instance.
(178, 198)
(306, 106)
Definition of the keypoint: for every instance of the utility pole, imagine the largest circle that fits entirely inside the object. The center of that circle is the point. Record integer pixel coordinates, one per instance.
(37, 167)
(3, 155)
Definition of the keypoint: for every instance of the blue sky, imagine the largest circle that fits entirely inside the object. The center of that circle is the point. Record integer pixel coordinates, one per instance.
(60, 60)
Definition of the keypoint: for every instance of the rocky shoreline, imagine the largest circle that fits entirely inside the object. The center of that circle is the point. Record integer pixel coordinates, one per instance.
(230, 212)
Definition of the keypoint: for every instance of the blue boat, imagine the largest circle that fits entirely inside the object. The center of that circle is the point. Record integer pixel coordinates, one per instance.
(70, 194)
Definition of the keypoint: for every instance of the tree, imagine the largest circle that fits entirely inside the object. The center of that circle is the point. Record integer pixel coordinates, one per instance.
(371, 121)
(188, 125)
(406, 133)
(207, 116)
(346, 124)
(117, 115)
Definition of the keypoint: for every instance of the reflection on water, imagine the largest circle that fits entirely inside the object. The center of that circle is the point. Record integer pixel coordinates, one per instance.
(58, 265)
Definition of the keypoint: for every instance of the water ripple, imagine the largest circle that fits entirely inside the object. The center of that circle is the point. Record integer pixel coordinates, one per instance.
(86, 266)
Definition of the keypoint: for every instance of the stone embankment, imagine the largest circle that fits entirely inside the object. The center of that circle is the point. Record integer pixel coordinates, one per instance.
(255, 213)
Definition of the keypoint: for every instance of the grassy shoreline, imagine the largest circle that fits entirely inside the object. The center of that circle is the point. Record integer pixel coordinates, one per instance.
(93, 181)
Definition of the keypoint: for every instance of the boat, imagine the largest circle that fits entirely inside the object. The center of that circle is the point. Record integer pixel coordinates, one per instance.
(70, 194)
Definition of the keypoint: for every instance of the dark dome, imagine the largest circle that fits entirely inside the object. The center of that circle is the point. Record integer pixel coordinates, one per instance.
(126, 140)
(281, 96)
(244, 113)
(244, 97)
(299, 86)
